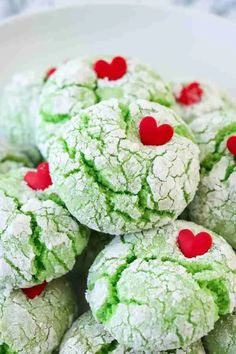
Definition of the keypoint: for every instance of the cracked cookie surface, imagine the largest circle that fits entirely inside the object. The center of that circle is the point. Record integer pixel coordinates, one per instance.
(36, 326)
(18, 112)
(39, 239)
(86, 336)
(149, 296)
(211, 131)
(113, 183)
(215, 201)
(75, 86)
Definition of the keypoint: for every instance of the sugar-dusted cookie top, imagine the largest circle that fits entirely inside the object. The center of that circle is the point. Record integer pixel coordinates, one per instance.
(19, 105)
(39, 238)
(36, 325)
(124, 168)
(196, 98)
(215, 201)
(163, 288)
(80, 83)
(86, 336)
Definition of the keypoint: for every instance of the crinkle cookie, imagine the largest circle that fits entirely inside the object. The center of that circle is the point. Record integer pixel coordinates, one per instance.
(112, 182)
(163, 289)
(215, 202)
(18, 112)
(194, 99)
(10, 158)
(81, 83)
(36, 326)
(210, 132)
(39, 238)
(86, 336)
(222, 340)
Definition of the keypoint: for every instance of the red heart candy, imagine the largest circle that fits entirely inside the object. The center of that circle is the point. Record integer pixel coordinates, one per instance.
(231, 144)
(39, 179)
(50, 72)
(35, 291)
(190, 94)
(193, 246)
(151, 134)
(113, 71)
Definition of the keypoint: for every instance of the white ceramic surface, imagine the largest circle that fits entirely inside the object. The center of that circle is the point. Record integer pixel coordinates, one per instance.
(176, 42)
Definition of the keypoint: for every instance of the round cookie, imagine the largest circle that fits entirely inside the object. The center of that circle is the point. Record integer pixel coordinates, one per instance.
(194, 99)
(215, 201)
(77, 85)
(163, 289)
(222, 339)
(88, 336)
(40, 240)
(18, 112)
(33, 326)
(10, 158)
(112, 182)
(210, 132)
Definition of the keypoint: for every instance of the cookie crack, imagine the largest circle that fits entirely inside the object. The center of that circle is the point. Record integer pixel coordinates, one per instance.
(212, 158)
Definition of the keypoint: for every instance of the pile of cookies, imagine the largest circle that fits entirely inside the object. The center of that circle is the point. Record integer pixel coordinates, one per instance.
(112, 177)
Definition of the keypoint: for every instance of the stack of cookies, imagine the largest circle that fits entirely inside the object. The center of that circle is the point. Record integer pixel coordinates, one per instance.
(118, 188)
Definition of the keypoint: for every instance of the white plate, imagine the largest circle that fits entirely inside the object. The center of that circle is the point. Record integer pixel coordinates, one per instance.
(176, 42)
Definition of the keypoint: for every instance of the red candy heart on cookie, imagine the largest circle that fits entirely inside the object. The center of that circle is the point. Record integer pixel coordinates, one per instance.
(50, 72)
(231, 144)
(193, 246)
(39, 179)
(190, 94)
(151, 134)
(113, 71)
(35, 291)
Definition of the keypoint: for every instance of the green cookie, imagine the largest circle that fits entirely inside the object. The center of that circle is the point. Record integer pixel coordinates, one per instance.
(75, 85)
(215, 201)
(195, 99)
(86, 336)
(39, 238)
(32, 326)
(222, 340)
(10, 158)
(211, 132)
(151, 297)
(113, 183)
(19, 110)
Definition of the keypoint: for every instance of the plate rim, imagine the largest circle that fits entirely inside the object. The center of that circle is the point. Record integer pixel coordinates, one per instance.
(181, 10)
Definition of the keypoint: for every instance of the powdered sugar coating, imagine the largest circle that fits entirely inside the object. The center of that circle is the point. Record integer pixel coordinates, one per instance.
(10, 158)
(75, 86)
(215, 201)
(18, 112)
(212, 99)
(223, 337)
(113, 183)
(39, 240)
(86, 336)
(36, 326)
(150, 297)
(212, 129)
